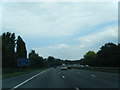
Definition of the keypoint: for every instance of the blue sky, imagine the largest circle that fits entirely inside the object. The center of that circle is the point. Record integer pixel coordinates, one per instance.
(65, 30)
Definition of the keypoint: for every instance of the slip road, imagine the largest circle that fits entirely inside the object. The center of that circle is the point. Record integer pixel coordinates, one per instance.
(55, 78)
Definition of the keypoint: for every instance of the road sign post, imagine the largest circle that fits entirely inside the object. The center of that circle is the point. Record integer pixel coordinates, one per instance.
(22, 62)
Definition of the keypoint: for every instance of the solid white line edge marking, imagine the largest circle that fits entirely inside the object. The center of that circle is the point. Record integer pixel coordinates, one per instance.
(77, 88)
(28, 79)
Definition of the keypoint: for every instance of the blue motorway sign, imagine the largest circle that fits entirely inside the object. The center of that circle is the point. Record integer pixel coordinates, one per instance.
(23, 62)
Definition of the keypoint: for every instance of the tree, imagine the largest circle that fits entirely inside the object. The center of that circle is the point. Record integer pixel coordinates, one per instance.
(90, 55)
(108, 55)
(58, 62)
(21, 48)
(8, 50)
(51, 61)
(36, 61)
(90, 58)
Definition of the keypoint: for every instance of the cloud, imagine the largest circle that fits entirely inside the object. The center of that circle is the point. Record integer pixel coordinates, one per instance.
(55, 19)
(109, 33)
(62, 51)
(60, 0)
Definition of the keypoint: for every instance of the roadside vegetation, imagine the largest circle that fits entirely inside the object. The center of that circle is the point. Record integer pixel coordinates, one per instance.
(17, 72)
(102, 69)
(107, 56)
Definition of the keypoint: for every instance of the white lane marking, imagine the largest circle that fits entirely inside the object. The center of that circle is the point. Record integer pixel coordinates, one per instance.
(28, 79)
(63, 76)
(59, 72)
(77, 88)
(92, 75)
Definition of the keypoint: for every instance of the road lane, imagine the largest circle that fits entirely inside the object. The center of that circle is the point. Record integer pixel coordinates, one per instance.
(49, 79)
(12, 82)
(84, 79)
(73, 78)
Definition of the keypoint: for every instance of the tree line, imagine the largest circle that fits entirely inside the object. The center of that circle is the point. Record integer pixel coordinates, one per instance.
(107, 56)
(14, 48)
(37, 61)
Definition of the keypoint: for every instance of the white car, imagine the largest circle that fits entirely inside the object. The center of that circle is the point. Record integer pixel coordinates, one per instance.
(63, 67)
(82, 66)
(87, 66)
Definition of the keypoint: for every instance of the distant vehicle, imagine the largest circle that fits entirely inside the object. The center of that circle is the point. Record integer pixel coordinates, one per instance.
(87, 66)
(76, 65)
(63, 67)
(63, 64)
(82, 66)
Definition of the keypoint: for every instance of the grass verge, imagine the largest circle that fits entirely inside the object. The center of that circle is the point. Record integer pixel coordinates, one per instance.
(107, 70)
(18, 73)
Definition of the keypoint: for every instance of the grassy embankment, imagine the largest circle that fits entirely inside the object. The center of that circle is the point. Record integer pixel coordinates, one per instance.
(10, 72)
(102, 69)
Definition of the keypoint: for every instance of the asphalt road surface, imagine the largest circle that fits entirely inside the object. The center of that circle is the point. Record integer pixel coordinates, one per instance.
(55, 78)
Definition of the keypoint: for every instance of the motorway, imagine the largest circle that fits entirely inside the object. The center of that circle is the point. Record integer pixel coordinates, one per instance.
(55, 78)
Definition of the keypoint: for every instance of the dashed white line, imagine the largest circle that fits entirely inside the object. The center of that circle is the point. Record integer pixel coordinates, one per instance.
(92, 75)
(28, 80)
(59, 72)
(77, 88)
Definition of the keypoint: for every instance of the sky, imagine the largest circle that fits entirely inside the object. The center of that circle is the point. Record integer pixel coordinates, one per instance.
(65, 30)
